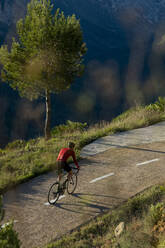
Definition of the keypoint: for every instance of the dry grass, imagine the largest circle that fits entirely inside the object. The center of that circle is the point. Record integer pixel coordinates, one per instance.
(137, 233)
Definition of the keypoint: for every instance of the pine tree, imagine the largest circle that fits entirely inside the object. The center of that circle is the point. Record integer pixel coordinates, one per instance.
(47, 55)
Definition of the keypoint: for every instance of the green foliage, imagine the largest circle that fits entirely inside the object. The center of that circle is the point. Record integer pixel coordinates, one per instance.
(9, 168)
(8, 237)
(48, 54)
(2, 152)
(140, 203)
(16, 144)
(1, 209)
(38, 167)
(69, 127)
(156, 212)
(159, 105)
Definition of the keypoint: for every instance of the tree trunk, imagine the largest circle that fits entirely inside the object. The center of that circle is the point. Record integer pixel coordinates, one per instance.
(48, 116)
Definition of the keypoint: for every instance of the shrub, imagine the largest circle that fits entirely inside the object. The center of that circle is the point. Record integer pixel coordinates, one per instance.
(16, 144)
(2, 152)
(158, 105)
(31, 144)
(137, 205)
(9, 168)
(155, 213)
(38, 167)
(69, 127)
(8, 237)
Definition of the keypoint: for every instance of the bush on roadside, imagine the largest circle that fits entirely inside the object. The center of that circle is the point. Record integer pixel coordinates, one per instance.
(159, 105)
(16, 144)
(8, 237)
(156, 212)
(69, 127)
(2, 152)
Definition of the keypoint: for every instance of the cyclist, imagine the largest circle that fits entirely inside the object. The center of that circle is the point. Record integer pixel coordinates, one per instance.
(63, 155)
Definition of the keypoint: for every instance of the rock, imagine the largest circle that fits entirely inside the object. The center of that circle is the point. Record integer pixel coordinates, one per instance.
(119, 229)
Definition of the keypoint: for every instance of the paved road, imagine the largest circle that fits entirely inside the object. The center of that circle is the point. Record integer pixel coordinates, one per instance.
(134, 137)
(105, 180)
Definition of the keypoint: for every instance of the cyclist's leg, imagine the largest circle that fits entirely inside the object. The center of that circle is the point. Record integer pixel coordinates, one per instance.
(59, 167)
(59, 177)
(69, 170)
(70, 174)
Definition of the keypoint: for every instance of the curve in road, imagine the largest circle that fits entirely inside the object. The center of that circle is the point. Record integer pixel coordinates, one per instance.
(115, 176)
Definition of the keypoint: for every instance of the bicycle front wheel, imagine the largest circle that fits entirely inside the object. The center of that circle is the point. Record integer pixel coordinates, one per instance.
(53, 193)
(71, 184)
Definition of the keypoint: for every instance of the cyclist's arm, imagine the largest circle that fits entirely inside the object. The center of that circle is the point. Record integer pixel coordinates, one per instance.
(74, 159)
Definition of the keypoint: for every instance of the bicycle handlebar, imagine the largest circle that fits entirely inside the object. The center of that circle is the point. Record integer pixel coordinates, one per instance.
(75, 168)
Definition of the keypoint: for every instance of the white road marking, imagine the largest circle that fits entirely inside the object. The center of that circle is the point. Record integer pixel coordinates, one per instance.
(8, 223)
(148, 162)
(99, 178)
(47, 203)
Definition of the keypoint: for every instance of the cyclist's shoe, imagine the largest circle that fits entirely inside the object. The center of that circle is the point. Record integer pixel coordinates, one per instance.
(61, 191)
(55, 194)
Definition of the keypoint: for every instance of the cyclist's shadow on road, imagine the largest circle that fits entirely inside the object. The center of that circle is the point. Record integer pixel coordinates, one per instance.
(82, 203)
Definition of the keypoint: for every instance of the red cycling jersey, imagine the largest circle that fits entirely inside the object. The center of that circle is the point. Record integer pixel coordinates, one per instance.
(65, 153)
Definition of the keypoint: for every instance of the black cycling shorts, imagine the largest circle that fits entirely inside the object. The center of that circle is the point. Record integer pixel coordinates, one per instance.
(61, 165)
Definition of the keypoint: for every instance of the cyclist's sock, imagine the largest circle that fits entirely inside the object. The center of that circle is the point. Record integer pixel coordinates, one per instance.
(64, 186)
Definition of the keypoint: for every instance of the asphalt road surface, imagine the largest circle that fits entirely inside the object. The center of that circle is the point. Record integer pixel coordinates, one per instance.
(113, 169)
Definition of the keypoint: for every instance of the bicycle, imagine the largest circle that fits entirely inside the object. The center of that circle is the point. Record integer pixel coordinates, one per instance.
(55, 191)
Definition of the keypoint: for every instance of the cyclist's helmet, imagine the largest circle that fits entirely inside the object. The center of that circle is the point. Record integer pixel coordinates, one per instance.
(71, 145)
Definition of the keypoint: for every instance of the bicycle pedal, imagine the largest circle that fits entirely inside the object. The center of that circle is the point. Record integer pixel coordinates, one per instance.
(61, 192)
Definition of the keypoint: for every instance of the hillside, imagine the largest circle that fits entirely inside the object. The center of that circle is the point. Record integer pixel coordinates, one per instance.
(26, 203)
(22, 160)
(138, 223)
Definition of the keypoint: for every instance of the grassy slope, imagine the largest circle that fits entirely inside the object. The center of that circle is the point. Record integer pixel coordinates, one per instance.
(21, 160)
(144, 221)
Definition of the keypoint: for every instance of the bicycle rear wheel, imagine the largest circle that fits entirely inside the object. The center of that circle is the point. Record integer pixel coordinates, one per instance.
(71, 184)
(53, 193)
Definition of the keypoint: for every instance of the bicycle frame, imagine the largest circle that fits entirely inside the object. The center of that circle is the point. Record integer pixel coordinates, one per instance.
(66, 180)
(70, 185)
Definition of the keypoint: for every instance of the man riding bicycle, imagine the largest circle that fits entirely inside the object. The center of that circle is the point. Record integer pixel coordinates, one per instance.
(63, 155)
